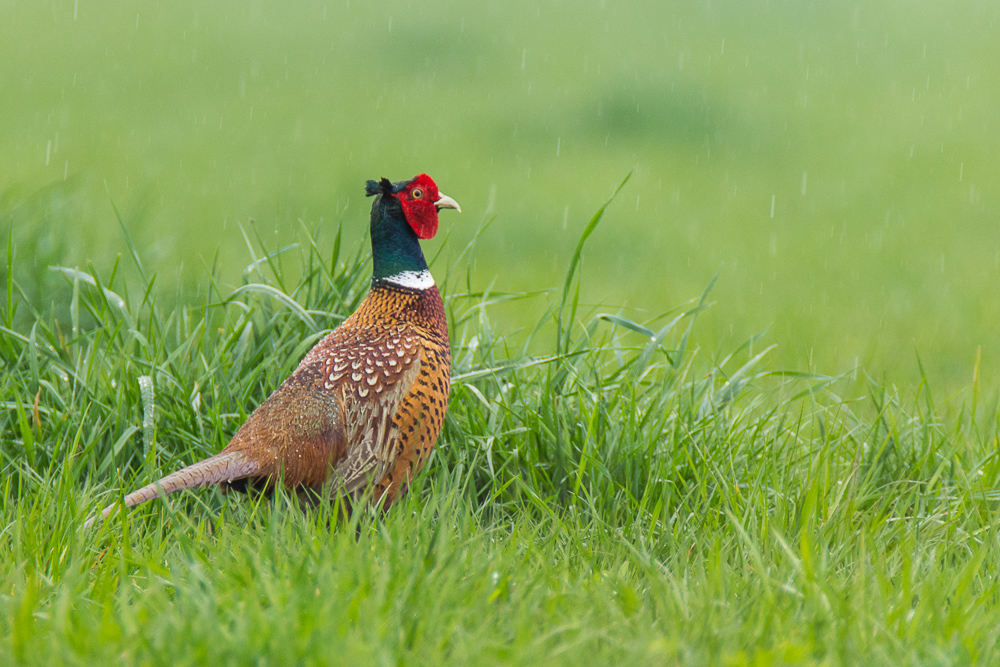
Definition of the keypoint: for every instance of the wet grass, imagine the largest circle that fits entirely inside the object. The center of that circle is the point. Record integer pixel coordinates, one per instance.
(623, 497)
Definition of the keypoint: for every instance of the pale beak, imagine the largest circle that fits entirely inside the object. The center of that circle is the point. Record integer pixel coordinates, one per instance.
(444, 201)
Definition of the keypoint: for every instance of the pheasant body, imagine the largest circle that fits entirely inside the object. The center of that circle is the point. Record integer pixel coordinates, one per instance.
(393, 351)
(365, 406)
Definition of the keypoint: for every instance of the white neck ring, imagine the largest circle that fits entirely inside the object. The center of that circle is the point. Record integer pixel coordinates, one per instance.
(412, 279)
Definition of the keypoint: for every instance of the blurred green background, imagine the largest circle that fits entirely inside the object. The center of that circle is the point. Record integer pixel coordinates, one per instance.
(837, 163)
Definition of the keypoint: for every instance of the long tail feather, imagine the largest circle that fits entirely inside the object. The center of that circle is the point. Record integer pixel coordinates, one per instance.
(224, 467)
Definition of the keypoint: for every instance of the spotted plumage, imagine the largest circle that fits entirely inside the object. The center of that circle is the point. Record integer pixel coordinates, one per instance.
(365, 405)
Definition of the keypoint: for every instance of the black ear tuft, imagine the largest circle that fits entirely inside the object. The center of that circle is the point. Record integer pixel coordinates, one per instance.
(382, 187)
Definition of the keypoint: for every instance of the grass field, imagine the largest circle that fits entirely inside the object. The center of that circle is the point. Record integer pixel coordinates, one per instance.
(793, 464)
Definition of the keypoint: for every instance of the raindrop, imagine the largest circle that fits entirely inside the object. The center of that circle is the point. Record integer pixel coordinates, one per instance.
(491, 200)
(804, 174)
(961, 170)
(772, 205)
(48, 151)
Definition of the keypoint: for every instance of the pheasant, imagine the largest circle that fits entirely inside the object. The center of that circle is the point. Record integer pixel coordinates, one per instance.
(366, 404)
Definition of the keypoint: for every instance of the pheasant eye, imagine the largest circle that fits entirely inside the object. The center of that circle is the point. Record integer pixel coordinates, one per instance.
(417, 193)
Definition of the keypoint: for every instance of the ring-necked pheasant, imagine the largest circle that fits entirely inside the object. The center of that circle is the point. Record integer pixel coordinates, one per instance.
(366, 404)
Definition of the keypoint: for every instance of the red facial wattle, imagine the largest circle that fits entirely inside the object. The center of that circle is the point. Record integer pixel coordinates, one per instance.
(420, 200)
(422, 216)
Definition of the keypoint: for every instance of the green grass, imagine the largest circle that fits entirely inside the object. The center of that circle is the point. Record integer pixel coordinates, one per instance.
(621, 498)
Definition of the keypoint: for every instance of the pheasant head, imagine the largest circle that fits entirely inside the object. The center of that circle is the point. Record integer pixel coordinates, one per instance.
(403, 213)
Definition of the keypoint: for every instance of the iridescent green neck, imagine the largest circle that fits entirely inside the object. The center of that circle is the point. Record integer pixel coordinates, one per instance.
(395, 246)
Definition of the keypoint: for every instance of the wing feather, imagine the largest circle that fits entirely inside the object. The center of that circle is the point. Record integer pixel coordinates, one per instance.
(372, 433)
